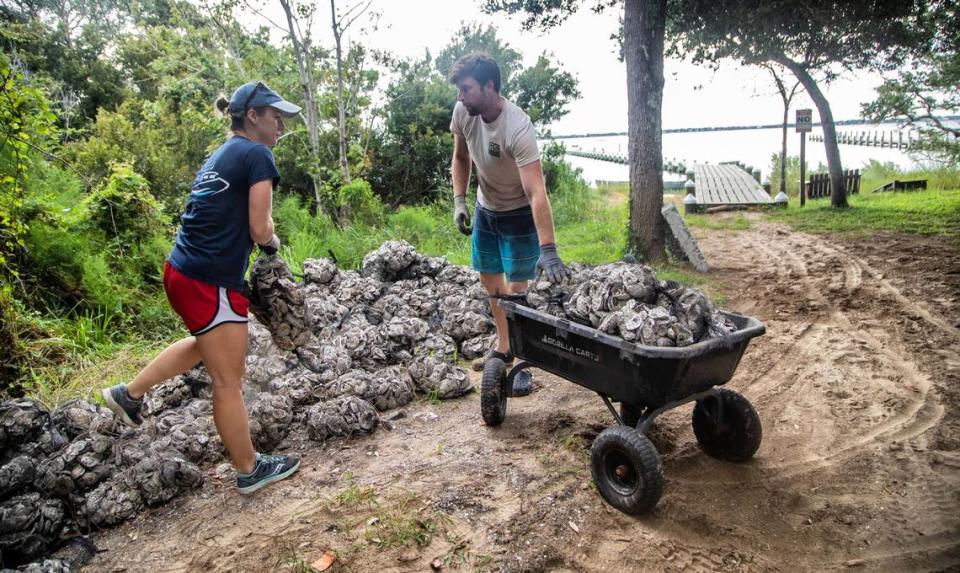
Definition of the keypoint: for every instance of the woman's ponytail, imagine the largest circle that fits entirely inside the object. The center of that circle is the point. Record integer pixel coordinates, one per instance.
(236, 120)
(222, 104)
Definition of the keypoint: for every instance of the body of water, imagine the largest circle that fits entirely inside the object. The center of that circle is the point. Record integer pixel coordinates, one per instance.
(751, 147)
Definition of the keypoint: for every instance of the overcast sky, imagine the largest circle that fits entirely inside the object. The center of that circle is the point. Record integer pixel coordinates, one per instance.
(694, 96)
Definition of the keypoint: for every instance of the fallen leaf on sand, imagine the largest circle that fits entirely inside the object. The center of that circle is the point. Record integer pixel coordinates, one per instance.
(573, 526)
(325, 562)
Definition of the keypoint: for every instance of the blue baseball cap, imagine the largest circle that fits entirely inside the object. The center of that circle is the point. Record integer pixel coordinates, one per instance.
(257, 94)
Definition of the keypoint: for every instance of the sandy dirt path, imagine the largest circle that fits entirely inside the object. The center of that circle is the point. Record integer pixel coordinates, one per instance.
(857, 383)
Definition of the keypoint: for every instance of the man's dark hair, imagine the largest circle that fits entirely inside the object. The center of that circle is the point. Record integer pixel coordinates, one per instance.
(478, 66)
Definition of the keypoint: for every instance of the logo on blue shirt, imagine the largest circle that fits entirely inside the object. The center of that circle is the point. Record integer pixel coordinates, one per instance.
(210, 183)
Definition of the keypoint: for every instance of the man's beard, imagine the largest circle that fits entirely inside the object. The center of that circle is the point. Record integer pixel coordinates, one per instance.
(473, 111)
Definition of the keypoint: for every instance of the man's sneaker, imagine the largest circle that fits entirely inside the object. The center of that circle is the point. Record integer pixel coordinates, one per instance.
(522, 384)
(267, 470)
(125, 407)
(479, 363)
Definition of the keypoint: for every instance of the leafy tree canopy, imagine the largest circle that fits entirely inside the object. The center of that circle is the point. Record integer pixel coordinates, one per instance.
(820, 34)
(928, 89)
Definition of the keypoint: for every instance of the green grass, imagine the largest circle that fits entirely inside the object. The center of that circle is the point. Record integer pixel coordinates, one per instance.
(289, 560)
(935, 211)
(718, 223)
(405, 522)
(930, 212)
(588, 231)
(596, 234)
(353, 496)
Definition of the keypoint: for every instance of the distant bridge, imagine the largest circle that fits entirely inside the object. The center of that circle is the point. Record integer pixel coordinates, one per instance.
(738, 127)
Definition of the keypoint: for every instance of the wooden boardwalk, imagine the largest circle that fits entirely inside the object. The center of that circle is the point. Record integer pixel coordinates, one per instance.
(727, 185)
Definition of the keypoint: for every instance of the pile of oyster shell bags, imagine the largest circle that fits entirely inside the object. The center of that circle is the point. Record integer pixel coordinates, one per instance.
(326, 354)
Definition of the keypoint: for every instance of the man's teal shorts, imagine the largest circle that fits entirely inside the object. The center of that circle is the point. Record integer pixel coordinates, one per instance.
(505, 242)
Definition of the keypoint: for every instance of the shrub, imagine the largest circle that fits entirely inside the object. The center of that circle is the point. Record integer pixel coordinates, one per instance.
(123, 208)
(357, 199)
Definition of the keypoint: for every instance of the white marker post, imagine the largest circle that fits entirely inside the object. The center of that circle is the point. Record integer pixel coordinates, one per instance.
(804, 125)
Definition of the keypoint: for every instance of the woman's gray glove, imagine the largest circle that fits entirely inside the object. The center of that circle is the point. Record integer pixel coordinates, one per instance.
(549, 265)
(461, 214)
(272, 247)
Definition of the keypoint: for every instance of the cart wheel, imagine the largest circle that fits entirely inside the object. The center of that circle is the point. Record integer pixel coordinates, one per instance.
(738, 434)
(630, 414)
(493, 392)
(627, 469)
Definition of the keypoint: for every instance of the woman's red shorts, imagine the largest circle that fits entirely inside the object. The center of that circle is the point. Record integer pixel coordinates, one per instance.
(202, 306)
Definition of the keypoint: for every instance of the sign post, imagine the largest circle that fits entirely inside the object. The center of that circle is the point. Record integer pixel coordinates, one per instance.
(804, 125)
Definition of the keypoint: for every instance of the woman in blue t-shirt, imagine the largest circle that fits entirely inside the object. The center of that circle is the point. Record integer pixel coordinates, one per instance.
(229, 210)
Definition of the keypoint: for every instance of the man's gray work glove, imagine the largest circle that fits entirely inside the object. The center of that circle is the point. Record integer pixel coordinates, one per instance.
(461, 214)
(549, 265)
(272, 247)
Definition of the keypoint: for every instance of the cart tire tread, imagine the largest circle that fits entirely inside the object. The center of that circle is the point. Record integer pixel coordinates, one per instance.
(627, 469)
(740, 433)
(493, 395)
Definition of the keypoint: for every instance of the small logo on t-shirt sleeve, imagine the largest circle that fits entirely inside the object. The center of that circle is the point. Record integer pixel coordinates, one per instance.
(493, 149)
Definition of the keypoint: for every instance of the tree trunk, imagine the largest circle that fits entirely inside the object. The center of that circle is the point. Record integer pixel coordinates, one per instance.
(783, 148)
(341, 111)
(838, 187)
(643, 30)
(301, 53)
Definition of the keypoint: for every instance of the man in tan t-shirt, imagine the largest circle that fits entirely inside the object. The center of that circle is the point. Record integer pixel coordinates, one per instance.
(512, 232)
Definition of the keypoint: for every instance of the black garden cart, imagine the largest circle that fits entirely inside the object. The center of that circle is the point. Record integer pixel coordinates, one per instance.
(646, 380)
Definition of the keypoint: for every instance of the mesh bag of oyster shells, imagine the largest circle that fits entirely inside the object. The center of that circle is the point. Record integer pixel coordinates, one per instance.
(45, 566)
(29, 525)
(188, 429)
(261, 370)
(386, 389)
(423, 267)
(170, 394)
(327, 360)
(325, 310)
(23, 422)
(16, 475)
(278, 302)
(302, 387)
(163, 474)
(79, 467)
(270, 417)
(434, 375)
(627, 300)
(355, 290)
(341, 416)
(78, 417)
(322, 272)
(608, 289)
(112, 502)
(387, 262)
(477, 346)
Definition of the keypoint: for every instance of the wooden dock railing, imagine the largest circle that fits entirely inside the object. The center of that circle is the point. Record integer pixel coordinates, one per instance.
(893, 139)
